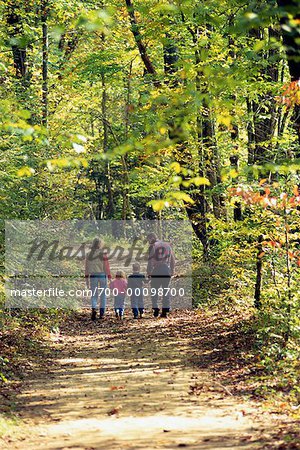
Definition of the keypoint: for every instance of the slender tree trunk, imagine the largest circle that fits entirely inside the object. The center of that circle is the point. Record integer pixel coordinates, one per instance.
(149, 67)
(126, 209)
(171, 58)
(250, 132)
(263, 113)
(15, 14)
(237, 210)
(44, 12)
(264, 110)
(202, 202)
(110, 199)
(15, 32)
(234, 132)
(234, 127)
(67, 45)
(258, 283)
(288, 299)
(208, 148)
(99, 197)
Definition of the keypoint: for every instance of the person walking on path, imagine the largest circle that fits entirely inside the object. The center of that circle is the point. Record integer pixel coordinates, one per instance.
(118, 287)
(160, 269)
(135, 287)
(97, 271)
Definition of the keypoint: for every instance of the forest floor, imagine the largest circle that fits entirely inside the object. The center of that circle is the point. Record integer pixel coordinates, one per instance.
(180, 382)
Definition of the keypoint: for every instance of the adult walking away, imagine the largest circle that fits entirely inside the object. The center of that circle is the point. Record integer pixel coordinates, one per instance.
(161, 265)
(97, 271)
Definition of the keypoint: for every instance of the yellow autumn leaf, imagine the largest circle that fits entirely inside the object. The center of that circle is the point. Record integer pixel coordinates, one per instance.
(225, 120)
(200, 181)
(158, 205)
(163, 130)
(182, 196)
(233, 173)
(175, 166)
(25, 171)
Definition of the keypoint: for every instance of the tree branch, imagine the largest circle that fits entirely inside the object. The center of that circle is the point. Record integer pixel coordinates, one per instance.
(150, 69)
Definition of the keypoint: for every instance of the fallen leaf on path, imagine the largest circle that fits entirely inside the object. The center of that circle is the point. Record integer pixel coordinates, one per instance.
(114, 411)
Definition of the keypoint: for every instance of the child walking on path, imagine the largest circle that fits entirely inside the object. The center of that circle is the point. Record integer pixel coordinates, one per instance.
(135, 290)
(118, 288)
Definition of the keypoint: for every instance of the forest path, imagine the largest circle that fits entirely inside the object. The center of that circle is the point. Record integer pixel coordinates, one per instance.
(136, 384)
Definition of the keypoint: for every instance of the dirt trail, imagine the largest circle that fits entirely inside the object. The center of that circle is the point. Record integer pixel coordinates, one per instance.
(133, 385)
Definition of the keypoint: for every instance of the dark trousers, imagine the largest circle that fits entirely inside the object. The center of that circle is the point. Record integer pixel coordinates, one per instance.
(160, 282)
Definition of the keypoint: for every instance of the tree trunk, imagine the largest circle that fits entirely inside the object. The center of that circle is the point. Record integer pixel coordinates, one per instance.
(171, 58)
(110, 202)
(200, 217)
(44, 12)
(126, 209)
(237, 210)
(258, 283)
(212, 162)
(67, 45)
(290, 35)
(250, 133)
(264, 111)
(15, 32)
(149, 67)
(207, 144)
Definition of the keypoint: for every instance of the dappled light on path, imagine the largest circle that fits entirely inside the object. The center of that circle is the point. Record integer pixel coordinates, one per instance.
(131, 385)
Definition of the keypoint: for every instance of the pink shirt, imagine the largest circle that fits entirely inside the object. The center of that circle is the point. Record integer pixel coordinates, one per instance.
(118, 284)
